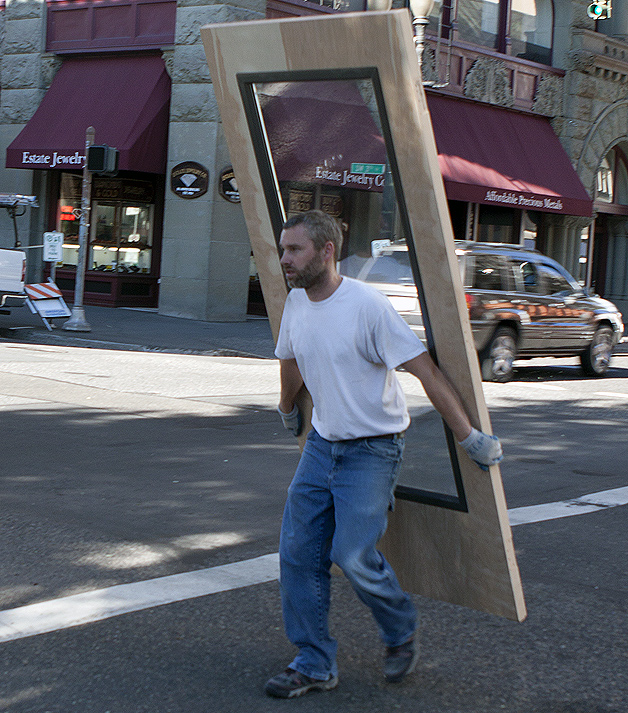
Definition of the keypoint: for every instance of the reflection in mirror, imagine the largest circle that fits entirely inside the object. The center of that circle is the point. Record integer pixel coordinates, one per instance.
(328, 151)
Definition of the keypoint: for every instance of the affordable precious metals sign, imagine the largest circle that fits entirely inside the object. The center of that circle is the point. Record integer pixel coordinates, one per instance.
(524, 200)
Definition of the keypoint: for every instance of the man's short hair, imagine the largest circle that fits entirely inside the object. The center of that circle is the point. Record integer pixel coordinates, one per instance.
(321, 228)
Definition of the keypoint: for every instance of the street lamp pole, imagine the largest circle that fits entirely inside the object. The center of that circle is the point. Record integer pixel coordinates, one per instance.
(420, 12)
(77, 322)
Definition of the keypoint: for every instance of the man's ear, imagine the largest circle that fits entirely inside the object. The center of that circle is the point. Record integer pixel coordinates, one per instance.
(328, 250)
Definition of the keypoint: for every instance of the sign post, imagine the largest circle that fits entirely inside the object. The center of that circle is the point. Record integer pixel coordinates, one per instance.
(77, 321)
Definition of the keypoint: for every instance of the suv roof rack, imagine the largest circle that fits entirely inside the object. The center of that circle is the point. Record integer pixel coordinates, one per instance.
(492, 246)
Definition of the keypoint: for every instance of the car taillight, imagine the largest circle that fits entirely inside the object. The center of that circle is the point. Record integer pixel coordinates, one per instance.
(471, 301)
(23, 269)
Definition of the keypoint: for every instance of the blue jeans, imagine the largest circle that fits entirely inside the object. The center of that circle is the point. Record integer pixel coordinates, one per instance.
(337, 510)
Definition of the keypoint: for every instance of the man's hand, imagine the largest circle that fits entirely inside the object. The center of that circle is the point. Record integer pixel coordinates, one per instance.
(292, 421)
(485, 450)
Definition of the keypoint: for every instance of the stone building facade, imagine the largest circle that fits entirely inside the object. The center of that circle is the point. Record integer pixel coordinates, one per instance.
(202, 259)
(203, 264)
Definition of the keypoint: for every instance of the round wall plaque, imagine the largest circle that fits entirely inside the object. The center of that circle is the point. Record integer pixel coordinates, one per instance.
(189, 179)
(228, 186)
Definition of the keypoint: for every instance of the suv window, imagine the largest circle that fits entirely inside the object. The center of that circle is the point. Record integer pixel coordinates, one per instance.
(391, 266)
(488, 273)
(553, 282)
(526, 276)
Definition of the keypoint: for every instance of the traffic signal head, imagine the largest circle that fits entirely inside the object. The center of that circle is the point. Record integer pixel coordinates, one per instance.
(600, 10)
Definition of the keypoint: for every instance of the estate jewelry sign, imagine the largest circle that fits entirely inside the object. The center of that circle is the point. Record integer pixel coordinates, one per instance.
(189, 180)
(371, 179)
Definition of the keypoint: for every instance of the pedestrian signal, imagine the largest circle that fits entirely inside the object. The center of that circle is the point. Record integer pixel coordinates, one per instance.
(600, 10)
(103, 160)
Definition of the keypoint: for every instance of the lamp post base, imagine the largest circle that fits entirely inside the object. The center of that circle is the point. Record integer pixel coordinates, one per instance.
(77, 322)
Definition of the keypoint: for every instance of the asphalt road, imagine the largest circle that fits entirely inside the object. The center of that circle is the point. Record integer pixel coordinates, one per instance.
(122, 467)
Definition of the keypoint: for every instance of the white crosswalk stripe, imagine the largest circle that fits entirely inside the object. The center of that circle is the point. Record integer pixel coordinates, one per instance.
(77, 609)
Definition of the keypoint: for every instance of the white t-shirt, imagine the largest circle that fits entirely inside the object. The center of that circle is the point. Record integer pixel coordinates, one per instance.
(347, 348)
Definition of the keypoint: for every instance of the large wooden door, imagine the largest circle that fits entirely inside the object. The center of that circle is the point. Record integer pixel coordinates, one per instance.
(449, 537)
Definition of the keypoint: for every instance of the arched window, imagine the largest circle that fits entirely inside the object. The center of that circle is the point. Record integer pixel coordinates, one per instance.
(612, 178)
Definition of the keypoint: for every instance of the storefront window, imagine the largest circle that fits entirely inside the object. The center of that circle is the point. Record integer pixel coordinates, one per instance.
(529, 226)
(497, 225)
(121, 238)
(121, 233)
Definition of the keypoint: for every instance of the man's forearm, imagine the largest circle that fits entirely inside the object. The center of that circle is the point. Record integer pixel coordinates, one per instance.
(441, 394)
(291, 383)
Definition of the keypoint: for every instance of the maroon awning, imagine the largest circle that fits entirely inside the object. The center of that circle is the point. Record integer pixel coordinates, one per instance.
(126, 100)
(319, 131)
(494, 156)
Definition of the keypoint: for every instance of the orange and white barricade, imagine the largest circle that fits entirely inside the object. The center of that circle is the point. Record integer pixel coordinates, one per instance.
(46, 300)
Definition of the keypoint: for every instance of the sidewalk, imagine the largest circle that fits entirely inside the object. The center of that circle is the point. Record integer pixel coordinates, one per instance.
(145, 330)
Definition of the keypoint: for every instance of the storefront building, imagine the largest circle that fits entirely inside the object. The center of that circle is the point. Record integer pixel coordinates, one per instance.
(126, 210)
(135, 71)
(527, 99)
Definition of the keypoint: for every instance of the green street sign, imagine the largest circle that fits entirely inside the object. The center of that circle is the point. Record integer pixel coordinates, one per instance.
(377, 169)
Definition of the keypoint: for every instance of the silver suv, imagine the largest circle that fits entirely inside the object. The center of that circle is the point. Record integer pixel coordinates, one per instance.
(521, 303)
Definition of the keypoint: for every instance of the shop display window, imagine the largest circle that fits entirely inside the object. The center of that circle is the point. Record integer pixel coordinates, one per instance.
(121, 229)
(497, 225)
(121, 238)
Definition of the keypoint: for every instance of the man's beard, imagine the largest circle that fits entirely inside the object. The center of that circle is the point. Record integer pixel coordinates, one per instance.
(310, 275)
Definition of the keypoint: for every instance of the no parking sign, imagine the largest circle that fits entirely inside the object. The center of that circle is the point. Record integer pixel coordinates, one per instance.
(53, 247)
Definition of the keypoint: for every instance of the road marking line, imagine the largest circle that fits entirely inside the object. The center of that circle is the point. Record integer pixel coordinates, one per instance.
(87, 607)
(578, 506)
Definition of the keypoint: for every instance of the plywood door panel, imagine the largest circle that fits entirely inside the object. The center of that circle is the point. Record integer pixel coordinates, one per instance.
(464, 557)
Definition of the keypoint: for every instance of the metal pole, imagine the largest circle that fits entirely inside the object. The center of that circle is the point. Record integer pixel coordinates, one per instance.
(12, 210)
(77, 322)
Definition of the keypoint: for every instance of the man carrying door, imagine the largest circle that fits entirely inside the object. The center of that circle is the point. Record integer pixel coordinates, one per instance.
(344, 340)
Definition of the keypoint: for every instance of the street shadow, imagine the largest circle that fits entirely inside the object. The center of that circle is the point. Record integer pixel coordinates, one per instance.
(557, 370)
(93, 497)
(100, 497)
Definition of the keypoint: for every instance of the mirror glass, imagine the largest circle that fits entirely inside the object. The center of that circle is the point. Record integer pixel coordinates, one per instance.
(322, 143)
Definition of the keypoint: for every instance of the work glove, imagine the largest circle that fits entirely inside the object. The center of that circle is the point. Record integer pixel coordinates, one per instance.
(292, 421)
(485, 450)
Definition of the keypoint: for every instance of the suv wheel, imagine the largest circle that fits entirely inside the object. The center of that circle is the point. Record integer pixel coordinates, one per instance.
(595, 359)
(497, 358)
